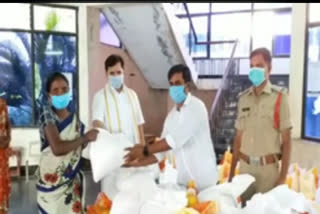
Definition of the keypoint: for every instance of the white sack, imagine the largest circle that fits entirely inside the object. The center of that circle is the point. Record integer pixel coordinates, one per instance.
(227, 192)
(106, 153)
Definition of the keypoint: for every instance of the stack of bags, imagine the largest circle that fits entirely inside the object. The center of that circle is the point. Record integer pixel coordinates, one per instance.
(304, 181)
(280, 200)
(101, 206)
(225, 166)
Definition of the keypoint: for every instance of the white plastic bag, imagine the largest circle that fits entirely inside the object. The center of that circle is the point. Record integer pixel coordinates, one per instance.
(126, 202)
(136, 186)
(280, 200)
(264, 204)
(227, 192)
(133, 179)
(170, 175)
(106, 153)
(165, 201)
(318, 196)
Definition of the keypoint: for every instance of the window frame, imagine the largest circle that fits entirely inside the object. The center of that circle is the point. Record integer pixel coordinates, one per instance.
(210, 14)
(308, 25)
(32, 32)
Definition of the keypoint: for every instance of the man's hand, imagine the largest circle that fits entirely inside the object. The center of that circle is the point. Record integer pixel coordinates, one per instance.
(135, 163)
(135, 153)
(145, 161)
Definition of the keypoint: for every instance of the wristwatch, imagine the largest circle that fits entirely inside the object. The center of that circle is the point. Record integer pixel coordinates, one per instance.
(145, 151)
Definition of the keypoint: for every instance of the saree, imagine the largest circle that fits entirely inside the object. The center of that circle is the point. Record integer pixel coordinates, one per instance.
(60, 183)
(5, 185)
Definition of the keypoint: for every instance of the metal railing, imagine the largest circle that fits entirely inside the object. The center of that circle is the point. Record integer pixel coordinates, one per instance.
(225, 86)
(223, 92)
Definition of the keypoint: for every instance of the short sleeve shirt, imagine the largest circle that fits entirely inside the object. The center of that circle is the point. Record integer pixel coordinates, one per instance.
(256, 118)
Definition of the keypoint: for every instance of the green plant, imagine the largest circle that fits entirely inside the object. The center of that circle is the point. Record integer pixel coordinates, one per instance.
(52, 21)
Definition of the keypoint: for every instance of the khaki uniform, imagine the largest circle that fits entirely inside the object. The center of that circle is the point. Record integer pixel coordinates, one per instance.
(260, 138)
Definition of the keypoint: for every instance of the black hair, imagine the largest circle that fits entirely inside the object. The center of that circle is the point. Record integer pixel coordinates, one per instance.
(112, 60)
(264, 52)
(180, 68)
(53, 77)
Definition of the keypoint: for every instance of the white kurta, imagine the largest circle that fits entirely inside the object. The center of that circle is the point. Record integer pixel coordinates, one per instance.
(188, 134)
(127, 122)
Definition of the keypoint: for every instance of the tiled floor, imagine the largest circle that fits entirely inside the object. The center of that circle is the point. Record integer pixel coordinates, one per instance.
(23, 197)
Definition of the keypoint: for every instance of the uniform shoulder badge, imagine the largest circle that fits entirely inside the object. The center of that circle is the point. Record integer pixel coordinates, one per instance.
(278, 89)
(244, 92)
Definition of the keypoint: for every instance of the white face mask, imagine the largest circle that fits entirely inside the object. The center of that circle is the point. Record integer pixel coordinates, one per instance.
(116, 81)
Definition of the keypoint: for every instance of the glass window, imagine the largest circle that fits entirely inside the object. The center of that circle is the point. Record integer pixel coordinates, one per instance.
(198, 7)
(54, 19)
(198, 50)
(54, 53)
(221, 50)
(16, 76)
(281, 45)
(271, 5)
(184, 26)
(25, 64)
(231, 27)
(107, 34)
(200, 25)
(312, 93)
(314, 12)
(179, 8)
(226, 7)
(10, 19)
(265, 31)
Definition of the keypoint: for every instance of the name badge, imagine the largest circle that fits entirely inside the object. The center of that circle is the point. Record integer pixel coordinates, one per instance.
(245, 109)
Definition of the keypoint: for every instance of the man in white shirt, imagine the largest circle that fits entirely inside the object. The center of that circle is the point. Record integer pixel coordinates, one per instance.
(116, 108)
(186, 132)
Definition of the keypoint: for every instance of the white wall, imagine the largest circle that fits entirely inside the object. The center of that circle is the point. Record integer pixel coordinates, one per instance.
(297, 66)
(21, 137)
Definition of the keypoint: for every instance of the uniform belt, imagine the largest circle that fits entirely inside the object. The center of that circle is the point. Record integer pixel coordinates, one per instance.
(260, 161)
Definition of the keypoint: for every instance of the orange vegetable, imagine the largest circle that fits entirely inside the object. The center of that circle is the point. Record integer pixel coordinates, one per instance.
(201, 206)
(162, 165)
(103, 201)
(97, 210)
(207, 207)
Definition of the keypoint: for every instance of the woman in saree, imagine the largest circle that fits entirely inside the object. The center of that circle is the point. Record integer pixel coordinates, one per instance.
(60, 185)
(5, 137)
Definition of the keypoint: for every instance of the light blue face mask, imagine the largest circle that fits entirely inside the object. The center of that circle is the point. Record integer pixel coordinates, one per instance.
(116, 81)
(256, 76)
(62, 101)
(177, 94)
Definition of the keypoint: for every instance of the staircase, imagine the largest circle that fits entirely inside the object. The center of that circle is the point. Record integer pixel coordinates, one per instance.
(150, 33)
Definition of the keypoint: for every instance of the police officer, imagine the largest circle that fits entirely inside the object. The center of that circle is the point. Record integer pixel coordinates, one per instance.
(263, 129)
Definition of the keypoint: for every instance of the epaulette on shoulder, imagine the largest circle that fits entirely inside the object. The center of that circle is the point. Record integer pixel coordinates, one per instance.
(244, 92)
(278, 89)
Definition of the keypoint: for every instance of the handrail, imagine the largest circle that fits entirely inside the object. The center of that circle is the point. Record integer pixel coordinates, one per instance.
(217, 97)
(228, 68)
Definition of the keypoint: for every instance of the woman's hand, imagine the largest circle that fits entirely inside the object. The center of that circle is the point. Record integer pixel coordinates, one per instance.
(91, 135)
